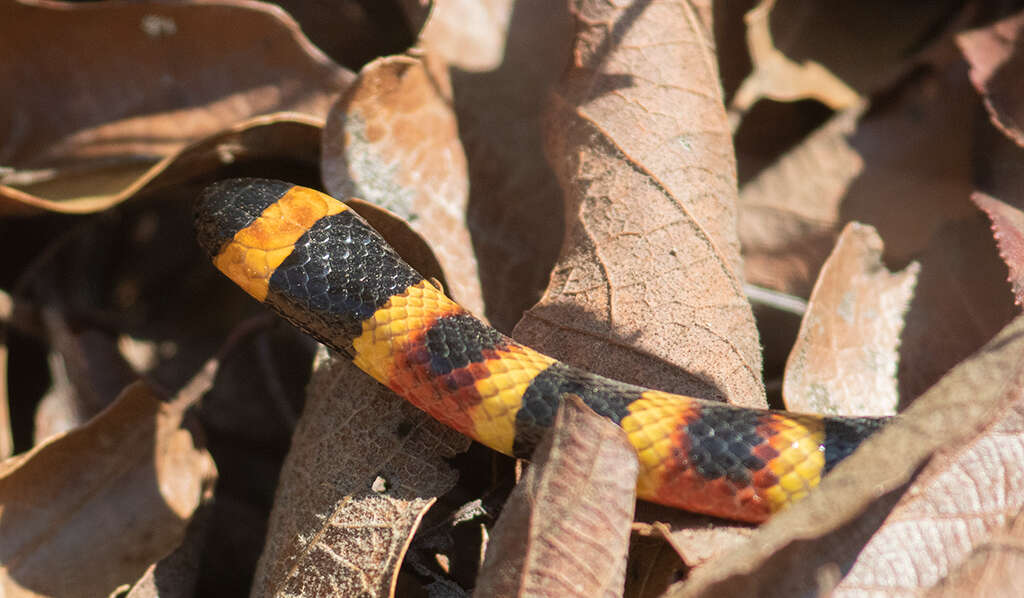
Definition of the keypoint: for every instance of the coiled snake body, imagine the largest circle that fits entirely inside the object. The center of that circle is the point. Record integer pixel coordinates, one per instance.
(321, 266)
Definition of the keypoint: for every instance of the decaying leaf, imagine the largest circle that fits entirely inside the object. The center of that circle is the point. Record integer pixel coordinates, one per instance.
(104, 500)
(392, 140)
(996, 57)
(565, 529)
(899, 514)
(363, 469)
(1008, 228)
(647, 289)
(139, 102)
(845, 357)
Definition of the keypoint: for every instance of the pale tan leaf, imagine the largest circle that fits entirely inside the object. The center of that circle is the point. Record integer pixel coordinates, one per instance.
(470, 34)
(392, 140)
(776, 76)
(565, 529)
(648, 288)
(104, 500)
(902, 512)
(364, 467)
(846, 355)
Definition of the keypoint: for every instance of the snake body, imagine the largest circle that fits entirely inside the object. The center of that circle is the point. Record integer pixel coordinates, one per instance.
(322, 267)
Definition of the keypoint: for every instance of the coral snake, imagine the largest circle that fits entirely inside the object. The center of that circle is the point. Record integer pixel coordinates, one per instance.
(321, 266)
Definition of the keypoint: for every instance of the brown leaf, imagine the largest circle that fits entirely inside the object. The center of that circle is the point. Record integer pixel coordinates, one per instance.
(961, 301)
(848, 41)
(996, 58)
(1008, 229)
(790, 213)
(136, 101)
(104, 500)
(900, 513)
(565, 529)
(647, 289)
(845, 357)
(392, 140)
(363, 469)
(905, 169)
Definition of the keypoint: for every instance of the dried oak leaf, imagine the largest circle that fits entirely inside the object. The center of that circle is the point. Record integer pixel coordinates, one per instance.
(996, 56)
(901, 513)
(104, 500)
(392, 140)
(1008, 229)
(846, 354)
(363, 469)
(110, 99)
(648, 287)
(565, 529)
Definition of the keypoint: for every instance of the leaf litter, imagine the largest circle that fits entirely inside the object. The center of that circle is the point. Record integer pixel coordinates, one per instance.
(482, 132)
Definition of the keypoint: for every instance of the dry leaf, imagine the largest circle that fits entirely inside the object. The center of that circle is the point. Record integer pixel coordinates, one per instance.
(514, 215)
(996, 58)
(777, 77)
(137, 101)
(392, 140)
(470, 34)
(104, 500)
(565, 529)
(364, 467)
(1008, 229)
(790, 213)
(845, 358)
(961, 301)
(901, 512)
(992, 569)
(647, 289)
(905, 170)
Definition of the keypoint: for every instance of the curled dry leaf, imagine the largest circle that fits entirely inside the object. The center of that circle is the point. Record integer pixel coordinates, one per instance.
(846, 355)
(363, 469)
(776, 76)
(647, 289)
(104, 500)
(1008, 228)
(565, 529)
(137, 103)
(996, 56)
(392, 140)
(902, 512)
